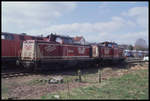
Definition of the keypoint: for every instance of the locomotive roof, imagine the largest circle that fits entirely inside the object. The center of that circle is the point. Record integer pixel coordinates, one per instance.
(13, 33)
(106, 42)
(22, 34)
(55, 35)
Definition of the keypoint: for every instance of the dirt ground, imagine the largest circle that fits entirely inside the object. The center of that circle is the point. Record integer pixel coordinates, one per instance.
(27, 87)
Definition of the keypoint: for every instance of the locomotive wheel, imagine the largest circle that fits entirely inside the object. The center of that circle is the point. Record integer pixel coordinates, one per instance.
(28, 67)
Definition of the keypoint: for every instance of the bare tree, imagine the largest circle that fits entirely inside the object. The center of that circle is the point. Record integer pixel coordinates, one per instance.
(130, 47)
(140, 44)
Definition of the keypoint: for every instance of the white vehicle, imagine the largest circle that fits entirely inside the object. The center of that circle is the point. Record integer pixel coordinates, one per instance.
(146, 58)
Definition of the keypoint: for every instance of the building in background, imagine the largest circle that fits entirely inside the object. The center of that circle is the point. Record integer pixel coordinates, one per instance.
(79, 40)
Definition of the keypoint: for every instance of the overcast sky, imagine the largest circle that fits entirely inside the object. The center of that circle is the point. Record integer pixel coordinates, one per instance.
(122, 22)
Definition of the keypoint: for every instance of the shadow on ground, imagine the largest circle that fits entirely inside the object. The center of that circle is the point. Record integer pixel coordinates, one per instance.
(73, 71)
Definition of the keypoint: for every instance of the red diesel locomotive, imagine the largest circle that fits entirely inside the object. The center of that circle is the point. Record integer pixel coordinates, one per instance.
(11, 46)
(60, 50)
(110, 51)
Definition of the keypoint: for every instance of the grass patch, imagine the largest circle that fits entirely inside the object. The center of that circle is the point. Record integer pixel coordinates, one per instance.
(69, 78)
(7, 87)
(130, 86)
(4, 90)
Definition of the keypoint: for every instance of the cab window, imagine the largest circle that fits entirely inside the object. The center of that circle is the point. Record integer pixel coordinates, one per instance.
(7, 37)
(3, 37)
(59, 40)
(109, 45)
(68, 41)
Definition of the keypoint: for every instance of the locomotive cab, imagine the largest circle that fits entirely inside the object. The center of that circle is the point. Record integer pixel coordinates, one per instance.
(28, 50)
(28, 53)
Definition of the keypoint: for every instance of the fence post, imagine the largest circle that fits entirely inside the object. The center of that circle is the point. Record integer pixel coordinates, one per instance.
(68, 89)
(128, 66)
(99, 75)
(79, 74)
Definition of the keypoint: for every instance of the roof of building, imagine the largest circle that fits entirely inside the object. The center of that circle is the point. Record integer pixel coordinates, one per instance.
(78, 38)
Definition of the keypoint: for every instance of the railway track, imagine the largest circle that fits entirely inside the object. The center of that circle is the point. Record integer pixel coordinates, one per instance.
(14, 74)
(137, 60)
(131, 60)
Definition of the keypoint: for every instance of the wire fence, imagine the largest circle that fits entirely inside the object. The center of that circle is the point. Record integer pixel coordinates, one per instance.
(82, 78)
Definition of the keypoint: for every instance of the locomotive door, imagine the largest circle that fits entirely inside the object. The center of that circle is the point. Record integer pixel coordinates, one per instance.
(106, 52)
(95, 52)
(116, 54)
(12, 48)
(65, 51)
